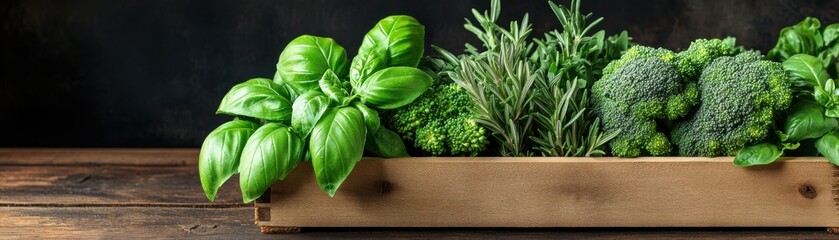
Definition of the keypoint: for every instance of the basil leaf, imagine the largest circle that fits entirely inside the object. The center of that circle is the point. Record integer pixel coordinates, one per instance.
(393, 87)
(805, 70)
(292, 94)
(760, 154)
(401, 37)
(833, 112)
(306, 58)
(307, 110)
(385, 143)
(219, 157)
(808, 121)
(365, 63)
(331, 85)
(258, 98)
(828, 145)
(371, 117)
(269, 155)
(337, 144)
(831, 34)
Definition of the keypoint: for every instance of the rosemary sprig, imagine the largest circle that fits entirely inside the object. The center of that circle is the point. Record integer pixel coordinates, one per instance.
(571, 59)
(500, 79)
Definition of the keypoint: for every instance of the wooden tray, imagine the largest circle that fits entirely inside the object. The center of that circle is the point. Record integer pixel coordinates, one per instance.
(559, 192)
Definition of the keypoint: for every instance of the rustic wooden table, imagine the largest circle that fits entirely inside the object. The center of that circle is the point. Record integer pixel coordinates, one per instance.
(131, 193)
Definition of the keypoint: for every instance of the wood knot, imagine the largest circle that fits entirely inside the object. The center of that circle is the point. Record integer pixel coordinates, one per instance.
(385, 187)
(808, 191)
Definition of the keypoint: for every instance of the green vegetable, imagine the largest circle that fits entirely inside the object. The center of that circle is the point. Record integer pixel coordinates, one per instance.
(385, 143)
(499, 81)
(393, 87)
(571, 59)
(638, 89)
(305, 59)
(312, 92)
(269, 155)
(219, 157)
(828, 145)
(807, 121)
(257, 98)
(805, 70)
(331, 85)
(760, 154)
(809, 37)
(337, 144)
(739, 97)
(308, 108)
(371, 117)
(394, 41)
(440, 122)
(701, 53)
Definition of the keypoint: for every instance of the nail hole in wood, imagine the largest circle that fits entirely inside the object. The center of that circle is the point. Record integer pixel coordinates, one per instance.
(385, 187)
(808, 191)
(263, 214)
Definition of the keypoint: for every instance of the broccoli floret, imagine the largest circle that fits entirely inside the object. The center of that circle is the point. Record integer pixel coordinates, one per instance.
(702, 52)
(440, 122)
(636, 90)
(739, 96)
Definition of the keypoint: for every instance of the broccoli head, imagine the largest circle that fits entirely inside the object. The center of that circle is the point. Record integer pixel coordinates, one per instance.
(739, 96)
(636, 90)
(702, 52)
(440, 122)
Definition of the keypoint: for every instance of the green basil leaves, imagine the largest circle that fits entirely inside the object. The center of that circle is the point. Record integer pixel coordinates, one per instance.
(219, 157)
(807, 121)
(306, 58)
(269, 155)
(307, 110)
(394, 87)
(317, 107)
(760, 154)
(257, 98)
(337, 143)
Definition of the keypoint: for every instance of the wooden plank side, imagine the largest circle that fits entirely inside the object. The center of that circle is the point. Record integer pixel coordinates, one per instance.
(109, 185)
(126, 223)
(552, 192)
(116, 156)
(235, 223)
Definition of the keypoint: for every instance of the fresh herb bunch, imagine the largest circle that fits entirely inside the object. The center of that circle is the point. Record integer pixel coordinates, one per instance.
(571, 60)
(319, 106)
(500, 79)
(809, 37)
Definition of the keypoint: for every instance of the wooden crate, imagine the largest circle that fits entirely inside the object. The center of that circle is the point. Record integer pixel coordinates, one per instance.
(559, 192)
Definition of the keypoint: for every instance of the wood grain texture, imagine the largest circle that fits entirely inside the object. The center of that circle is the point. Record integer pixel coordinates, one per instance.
(110, 186)
(112, 156)
(168, 223)
(562, 192)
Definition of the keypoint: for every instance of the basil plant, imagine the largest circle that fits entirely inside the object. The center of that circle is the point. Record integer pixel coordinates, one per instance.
(320, 107)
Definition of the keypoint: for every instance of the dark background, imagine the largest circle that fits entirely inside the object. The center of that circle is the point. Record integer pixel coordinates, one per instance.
(150, 73)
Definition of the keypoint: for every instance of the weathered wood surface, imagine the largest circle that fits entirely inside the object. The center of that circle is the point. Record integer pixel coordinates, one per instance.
(125, 200)
(563, 192)
(92, 156)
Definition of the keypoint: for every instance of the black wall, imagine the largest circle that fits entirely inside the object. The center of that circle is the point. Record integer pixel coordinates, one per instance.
(150, 73)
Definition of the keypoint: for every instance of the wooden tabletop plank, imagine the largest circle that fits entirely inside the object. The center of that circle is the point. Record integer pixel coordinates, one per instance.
(109, 185)
(87, 156)
(237, 223)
